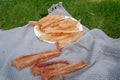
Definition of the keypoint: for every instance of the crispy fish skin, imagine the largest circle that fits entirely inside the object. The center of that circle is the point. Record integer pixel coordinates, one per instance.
(38, 69)
(28, 60)
(64, 70)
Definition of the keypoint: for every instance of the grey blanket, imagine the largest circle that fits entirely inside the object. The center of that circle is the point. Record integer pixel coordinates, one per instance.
(101, 52)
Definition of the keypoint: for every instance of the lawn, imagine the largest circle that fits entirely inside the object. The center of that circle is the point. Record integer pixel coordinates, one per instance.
(102, 14)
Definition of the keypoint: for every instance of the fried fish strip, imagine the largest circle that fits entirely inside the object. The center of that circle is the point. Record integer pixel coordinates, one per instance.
(64, 70)
(38, 69)
(28, 60)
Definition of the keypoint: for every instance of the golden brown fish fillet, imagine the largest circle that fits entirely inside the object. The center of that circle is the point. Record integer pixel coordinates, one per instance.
(28, 60)
(64, 70)
(38, 69)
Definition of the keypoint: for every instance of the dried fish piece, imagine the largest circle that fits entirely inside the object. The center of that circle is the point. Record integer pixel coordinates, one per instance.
(70, 39)
(33, 23)
(46, 21)
(38, 69)
(64, 70)
(64, 26)
(28, 60)
(63, 39)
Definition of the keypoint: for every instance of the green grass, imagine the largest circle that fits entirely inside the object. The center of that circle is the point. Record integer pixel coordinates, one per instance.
(102, 14)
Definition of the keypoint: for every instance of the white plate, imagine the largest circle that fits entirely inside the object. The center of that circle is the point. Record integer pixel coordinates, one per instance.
(38, 33)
